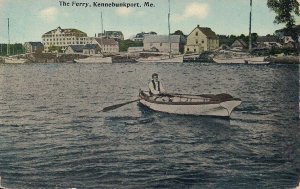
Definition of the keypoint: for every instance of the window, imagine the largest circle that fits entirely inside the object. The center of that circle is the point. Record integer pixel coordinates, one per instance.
(194, 50)
(202, 41)
(196, 41)
(196, 33)
(188, 49)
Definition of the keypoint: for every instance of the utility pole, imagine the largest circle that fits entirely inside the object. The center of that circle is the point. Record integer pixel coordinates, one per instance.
(169, 30)
(250, 19)
(7, 47)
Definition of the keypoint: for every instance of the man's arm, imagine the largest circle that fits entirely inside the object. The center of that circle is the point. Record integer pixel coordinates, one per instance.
(162, 89)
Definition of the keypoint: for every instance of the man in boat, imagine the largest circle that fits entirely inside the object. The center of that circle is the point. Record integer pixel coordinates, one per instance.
(156, 89)
(155, 86)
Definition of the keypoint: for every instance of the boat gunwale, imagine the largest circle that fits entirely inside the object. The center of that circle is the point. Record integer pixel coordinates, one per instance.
(145, 97)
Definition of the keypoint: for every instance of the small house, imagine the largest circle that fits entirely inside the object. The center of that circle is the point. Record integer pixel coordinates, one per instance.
(34, 47)
(239, 44)
(91, 49)
(116, 35)
(107, 46)
(201, 39)
(141, 36)
(268, 42)
(74, 49)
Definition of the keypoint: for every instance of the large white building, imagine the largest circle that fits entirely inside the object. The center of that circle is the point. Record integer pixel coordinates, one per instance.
(62, 38)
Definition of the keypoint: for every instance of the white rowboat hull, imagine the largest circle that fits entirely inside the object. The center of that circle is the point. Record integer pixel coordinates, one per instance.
(223, 109)
(192, 105)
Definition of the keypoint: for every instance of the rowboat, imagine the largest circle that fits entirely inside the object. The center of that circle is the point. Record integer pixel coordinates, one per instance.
(185, 104)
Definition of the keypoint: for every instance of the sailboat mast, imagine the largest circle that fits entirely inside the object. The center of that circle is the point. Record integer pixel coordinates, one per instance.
(169, 30)
(101, 24)
(101, 47)
(8, 44)
(250, 18)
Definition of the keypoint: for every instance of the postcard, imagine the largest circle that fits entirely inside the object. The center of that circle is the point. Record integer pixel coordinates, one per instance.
(149, 94)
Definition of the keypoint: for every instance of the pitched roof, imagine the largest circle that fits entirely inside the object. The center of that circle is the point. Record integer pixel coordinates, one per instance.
(106, 41)
(113, 33)
(72, 31)
(90, 46)
(270, 38)
(238, 42)
(77, 48)
(36, 44)
(162, 39)
(206, 31)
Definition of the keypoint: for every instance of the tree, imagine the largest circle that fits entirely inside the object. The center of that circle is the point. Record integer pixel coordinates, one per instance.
(125, 44)
(178, 32)
(54, 49)
(285, 10)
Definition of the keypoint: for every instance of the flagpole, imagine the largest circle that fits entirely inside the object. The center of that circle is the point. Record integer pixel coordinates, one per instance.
(8, 44)
(169, 30)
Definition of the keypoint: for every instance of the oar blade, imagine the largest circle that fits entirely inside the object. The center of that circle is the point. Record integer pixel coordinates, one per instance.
(109, 108)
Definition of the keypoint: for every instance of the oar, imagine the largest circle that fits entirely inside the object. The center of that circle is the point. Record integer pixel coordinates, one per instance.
(108, 108)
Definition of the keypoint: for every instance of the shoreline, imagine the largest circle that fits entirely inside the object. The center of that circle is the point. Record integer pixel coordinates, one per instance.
(285, 60)
(69, 58)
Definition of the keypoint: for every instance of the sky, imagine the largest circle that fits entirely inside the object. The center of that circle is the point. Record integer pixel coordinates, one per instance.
(30, 19)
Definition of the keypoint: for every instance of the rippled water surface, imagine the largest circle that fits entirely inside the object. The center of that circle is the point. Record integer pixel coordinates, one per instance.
(53, 134)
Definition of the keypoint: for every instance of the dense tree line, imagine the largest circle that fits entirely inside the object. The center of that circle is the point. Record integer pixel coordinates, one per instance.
(125, 44)
(229, 39)
(14, 49)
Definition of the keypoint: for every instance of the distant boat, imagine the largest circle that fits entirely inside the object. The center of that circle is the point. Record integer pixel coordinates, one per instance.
(13, 60)
(184, 104)
(94, 59)
(240, 60)
(163, 59)
(257, 60)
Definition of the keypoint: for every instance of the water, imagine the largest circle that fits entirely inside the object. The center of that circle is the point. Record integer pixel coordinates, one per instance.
(53, 135)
